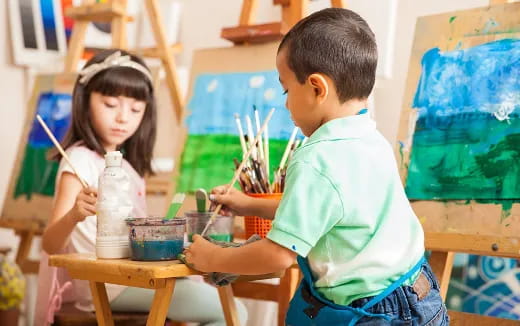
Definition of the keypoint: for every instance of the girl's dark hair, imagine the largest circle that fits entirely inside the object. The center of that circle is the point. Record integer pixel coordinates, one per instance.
(115, 81)
(338, 43)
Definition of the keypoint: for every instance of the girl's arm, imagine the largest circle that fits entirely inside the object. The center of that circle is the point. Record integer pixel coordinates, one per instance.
(259, 257)
(72, 205)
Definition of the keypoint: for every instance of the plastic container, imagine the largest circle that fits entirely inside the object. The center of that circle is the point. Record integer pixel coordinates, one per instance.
(113, 207)
(153, 239)
(258, 225)
(221, 229)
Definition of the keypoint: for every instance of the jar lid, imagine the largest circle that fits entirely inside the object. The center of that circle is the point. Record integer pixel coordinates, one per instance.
(114, 158)
(155, 221)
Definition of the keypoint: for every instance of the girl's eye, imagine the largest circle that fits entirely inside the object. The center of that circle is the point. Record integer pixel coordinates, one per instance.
(285, 92)
(134, 110)
(110, 105)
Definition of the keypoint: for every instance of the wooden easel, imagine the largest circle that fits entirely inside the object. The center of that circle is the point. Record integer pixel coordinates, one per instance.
(451, 227)
(115, 11)
(248, 32)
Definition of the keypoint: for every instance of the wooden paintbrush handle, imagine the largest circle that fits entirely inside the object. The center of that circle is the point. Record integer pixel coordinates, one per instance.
(240, 167)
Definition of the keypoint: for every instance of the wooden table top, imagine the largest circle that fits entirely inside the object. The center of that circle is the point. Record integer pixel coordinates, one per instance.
(88, 263)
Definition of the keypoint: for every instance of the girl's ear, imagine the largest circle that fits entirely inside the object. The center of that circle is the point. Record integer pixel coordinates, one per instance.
(319, 85)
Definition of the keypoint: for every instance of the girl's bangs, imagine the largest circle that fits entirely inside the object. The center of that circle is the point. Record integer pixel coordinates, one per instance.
(122, 81)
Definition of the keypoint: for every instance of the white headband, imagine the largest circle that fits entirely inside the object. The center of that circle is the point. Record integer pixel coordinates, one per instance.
(113, 60)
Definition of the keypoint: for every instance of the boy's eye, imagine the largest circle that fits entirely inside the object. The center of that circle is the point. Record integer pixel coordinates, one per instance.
(110, 105)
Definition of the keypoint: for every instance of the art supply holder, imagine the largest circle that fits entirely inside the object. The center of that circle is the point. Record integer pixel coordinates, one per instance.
(258, 225)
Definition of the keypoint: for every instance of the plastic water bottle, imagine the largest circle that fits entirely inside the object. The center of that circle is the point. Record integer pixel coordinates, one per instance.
(113, 207)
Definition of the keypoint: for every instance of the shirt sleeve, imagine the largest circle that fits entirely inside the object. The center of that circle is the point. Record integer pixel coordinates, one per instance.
(309, 208)
(80, 158)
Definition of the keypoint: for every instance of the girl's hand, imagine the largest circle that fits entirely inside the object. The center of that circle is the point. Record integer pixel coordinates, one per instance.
(200, 254)
(235, 202)
(85, 204)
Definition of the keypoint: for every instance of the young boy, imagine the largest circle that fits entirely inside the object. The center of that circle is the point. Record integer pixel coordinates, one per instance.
(344, 213)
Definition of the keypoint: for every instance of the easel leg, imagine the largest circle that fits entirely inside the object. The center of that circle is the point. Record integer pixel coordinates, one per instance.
(338, 3)
(119, 29)
(442, 263)
(228, 305)
(286, 290)
(293, 13)
(24, 248)
(161, 303)
(100, 298)
(76, 45)
(164, 48)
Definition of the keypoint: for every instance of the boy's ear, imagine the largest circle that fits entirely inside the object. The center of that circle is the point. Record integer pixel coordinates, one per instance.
(319, 84)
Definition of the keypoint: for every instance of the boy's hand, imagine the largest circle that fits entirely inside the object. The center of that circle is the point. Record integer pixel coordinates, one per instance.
(85, 204)
(201, 254)
(235, 202)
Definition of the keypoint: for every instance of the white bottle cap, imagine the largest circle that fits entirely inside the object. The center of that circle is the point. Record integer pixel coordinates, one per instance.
(114, 158)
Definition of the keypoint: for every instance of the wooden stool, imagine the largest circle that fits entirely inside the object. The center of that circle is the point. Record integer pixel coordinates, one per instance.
(282, 293)
(71, 316)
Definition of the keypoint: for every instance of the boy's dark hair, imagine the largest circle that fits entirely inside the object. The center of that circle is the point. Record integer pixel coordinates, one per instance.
(115, 81)
(338, 43)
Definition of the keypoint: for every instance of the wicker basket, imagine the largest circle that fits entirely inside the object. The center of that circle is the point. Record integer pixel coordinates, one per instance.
(258, 225)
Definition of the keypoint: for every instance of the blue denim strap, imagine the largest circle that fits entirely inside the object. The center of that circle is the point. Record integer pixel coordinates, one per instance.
(394, 285)
(358, 312)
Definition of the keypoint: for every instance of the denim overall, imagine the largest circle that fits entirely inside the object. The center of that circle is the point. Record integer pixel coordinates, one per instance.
(309, 308)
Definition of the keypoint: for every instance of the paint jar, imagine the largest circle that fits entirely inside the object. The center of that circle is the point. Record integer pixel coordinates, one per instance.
(153, 239)
(256, 224)
(113, 207)
(221, 229)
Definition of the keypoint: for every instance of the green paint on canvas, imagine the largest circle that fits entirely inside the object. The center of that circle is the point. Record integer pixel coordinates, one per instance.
(207, 160)
(452, 18)
(37, 174)
(457, 164)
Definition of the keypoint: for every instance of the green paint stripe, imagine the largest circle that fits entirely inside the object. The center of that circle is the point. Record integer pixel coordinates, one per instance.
(37, 174)
(207, 160)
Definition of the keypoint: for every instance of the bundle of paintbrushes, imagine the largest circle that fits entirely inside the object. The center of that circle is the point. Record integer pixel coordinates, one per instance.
(254, 177)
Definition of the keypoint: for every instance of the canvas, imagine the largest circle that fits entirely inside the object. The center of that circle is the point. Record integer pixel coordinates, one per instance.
(37, 32)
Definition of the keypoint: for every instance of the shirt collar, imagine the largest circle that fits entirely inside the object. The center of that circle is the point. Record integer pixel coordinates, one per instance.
(351, 127)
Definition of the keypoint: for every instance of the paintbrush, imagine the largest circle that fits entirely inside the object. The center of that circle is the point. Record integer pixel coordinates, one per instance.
(241, 134)
(60, 149)
(266, 151)
(237, 172)
(175, 205)
(260, 141)
(288, 148)
(250, 136)
(201, 197)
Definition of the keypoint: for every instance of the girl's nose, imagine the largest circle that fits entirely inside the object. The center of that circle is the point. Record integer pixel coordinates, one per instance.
(122, 114)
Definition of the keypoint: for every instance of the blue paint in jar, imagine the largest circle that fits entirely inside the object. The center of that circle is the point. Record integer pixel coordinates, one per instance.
(156, 249)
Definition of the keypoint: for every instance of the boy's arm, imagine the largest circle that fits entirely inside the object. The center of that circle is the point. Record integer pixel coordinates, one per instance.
(242, 204)
(265, 208)
(260, 257)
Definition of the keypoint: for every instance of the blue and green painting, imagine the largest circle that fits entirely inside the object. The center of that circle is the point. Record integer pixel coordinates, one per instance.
(466, 145)
(37, 173)
(213, 141)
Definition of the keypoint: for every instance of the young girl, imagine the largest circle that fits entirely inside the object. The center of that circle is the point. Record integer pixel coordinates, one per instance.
(113, 108)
